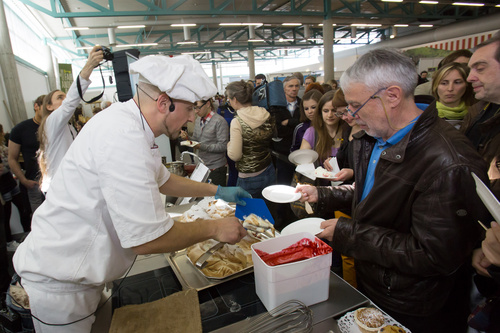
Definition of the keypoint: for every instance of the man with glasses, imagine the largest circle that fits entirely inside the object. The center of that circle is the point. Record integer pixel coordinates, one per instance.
(414, 206)
(212, 133)
(104, 206)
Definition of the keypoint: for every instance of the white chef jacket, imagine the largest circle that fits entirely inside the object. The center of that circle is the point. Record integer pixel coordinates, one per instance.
(59, 134)
(103, 200)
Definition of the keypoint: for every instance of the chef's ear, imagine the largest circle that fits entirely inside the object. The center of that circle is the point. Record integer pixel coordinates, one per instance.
(163, 103)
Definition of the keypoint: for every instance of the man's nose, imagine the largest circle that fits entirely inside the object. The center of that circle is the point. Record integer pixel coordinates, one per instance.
(471, 77)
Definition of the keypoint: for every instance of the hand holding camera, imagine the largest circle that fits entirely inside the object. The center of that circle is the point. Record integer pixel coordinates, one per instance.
(95, 57)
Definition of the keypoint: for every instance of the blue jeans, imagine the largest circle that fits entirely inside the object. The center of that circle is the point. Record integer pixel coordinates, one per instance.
(255, 185)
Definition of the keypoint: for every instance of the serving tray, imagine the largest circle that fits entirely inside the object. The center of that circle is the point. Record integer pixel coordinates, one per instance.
(191, 277)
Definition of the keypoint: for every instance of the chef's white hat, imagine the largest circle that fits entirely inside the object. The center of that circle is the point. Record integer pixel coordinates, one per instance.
(179, 77)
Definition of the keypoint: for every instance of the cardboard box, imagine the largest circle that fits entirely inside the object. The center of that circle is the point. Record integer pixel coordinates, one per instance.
(306, 280)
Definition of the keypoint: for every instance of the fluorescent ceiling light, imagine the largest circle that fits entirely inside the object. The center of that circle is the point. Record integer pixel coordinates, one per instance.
(333, 25)
(255, 40)
(286, 40)
(223, 41)
(183, 43)
(365, 25)
(232, 51)
(315, 39)
(238, 24)
(400, 25)
(85, 48)
(468, 4)
(291, 24)
(392, 0)
(392, 36)
(497, 5)
(140, 44)
(131, 26)
(426, 26)
(429, 2)
(183, 25)
(76, 28)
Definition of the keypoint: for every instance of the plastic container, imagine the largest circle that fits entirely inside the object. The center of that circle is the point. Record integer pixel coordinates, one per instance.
(307, 280)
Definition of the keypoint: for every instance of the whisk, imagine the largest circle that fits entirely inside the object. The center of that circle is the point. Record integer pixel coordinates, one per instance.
(292, 316)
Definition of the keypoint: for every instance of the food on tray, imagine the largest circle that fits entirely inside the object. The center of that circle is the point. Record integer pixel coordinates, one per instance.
(207, 209)
(258, 224)
(228, 260)
(369, 320)
(391, 329)
(219, 209)
(323, 173)
(303, 249)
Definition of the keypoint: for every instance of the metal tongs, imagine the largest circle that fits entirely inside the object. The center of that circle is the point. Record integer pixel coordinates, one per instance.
(291, 316)
(202, 260)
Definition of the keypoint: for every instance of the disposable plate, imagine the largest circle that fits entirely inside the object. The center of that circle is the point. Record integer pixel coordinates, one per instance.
(303, 156)
(281, 194)
(310, 224)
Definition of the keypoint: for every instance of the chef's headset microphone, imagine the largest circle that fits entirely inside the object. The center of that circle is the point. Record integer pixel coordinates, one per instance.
(171, 107)
(78, 320)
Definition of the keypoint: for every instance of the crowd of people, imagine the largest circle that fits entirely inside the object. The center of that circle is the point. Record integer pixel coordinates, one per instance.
(405, 217)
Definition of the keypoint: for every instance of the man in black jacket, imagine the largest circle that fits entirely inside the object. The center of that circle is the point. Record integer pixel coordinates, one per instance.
(482, 127)
(413, 205)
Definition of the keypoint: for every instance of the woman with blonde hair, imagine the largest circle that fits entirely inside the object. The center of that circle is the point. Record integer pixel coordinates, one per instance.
(55, 134)
(250, 140)
(452, 92)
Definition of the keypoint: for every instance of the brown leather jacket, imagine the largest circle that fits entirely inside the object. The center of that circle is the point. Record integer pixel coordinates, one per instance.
(418, 225)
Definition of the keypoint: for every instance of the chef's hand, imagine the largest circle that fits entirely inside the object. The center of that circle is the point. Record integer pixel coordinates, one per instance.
(491, 244)
(480, 263)
(229, 230)
(309, 193)
(232, 194)
(343, 175)
(328, 227)
(184, 135)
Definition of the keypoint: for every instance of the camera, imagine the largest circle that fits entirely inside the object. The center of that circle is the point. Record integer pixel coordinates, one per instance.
(107, 54)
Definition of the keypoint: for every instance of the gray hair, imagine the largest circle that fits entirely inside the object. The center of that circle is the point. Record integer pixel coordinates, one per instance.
(290, 78)
(382, 68)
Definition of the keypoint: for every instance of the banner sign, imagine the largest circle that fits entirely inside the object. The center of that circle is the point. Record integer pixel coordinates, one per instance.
(65, 77)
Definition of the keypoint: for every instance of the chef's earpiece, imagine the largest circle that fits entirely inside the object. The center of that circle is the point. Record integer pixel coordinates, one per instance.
(171, 108)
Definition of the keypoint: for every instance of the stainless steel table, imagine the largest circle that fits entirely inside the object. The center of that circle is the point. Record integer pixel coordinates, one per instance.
(342, 298)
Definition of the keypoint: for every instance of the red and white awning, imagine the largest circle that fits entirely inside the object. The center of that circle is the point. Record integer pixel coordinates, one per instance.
(468, 42)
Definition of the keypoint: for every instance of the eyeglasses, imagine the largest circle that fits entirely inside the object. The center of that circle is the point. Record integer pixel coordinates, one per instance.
(196, 107)
(340, 114)
(369, 98)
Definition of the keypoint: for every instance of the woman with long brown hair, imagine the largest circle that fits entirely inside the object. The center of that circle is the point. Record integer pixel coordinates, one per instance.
(308, 106)
(326, 134)
(55, 133)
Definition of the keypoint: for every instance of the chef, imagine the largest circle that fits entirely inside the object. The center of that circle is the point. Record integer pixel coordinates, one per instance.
(104, 207)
